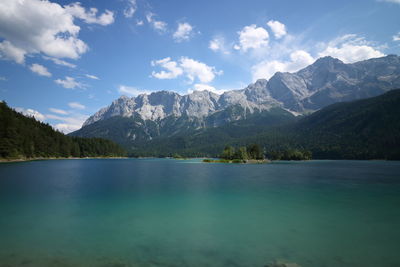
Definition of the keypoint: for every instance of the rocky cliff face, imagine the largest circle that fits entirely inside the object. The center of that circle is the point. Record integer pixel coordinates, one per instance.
(329, 80)
(199, 104)
(326, 81)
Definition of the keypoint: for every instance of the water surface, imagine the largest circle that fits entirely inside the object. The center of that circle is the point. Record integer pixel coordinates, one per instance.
(158, 212)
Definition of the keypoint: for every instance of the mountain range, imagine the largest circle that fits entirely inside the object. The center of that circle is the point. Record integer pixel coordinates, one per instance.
(284, 98)
(361, 129)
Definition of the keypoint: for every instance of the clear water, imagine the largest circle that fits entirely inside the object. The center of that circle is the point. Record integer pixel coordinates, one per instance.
(154, 212)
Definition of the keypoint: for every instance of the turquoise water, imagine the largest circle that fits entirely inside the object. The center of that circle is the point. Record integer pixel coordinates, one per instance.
(158, 212)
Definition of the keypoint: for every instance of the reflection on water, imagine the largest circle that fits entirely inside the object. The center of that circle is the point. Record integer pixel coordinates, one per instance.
(153, 212)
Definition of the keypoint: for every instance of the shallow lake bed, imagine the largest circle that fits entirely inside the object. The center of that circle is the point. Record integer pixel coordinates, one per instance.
(164, 212)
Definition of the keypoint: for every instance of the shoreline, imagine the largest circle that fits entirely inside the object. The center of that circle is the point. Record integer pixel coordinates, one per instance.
(204, 160)
(237, 161)
(54, 158)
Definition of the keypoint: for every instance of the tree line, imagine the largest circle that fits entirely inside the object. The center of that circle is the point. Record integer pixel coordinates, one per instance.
(255, 152)
(25, 137)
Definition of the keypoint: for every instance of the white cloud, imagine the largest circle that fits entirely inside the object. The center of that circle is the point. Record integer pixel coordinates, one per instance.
(76, 105)
(191, 68)
(39, 69)
(130, 10)
(68, 124)
(278, 28)
(158, 25)
(92, 77)
(9, 51)
(267, 68)
(132, 91)
(58, 111)
(252, 37)
(2, 78)
(139, 23)
(90, 16)
(202, 87)
(215, 45)
(396, 37)
(31, 113)
(196, 69)
(218, 45)
(172, 68)
(35, 26)
(60, 62)
(350, 48)
(183, 32)
(69, 83)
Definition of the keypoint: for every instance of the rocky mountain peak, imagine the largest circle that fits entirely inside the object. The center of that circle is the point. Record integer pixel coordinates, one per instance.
(326, 81)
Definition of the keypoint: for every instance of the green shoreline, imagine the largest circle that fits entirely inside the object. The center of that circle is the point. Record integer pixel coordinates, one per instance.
(237, 161)
(54, 158)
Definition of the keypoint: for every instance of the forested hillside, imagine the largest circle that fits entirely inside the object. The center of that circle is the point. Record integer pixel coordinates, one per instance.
(363, 129)
(24, 137)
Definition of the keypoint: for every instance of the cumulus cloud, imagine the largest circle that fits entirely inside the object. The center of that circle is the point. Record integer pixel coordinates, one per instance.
(218, 45)
(11, 52)
(203, 87)
(252, 37)
(132, 91)
(158, 25)
(58, 111)
(69, 83)
(40, 69)
(172, 69)
(31, 113)
(35, 26)
(93, 77)
(267, 68)
(278, 28)
(130, 10)
(183, 32)
(191, 68)
(90, 16)
(60, 62)
(198, 70)
(351, 48)
(396, 37)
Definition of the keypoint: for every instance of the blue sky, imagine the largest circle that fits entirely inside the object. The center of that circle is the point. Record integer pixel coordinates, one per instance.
(63, 60)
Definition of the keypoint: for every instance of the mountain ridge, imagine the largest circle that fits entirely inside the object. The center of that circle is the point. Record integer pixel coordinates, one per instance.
(361, 129)
(164, 113)
(326, 81)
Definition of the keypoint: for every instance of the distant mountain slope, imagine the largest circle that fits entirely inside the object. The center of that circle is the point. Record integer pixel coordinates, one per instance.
(363, 129)
(324, 82)
(329, 80)
(134, 132)
(368, 128)
(24, 137)
(165, 114)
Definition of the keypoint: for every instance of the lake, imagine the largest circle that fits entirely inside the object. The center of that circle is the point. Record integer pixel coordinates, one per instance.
(164, 212)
